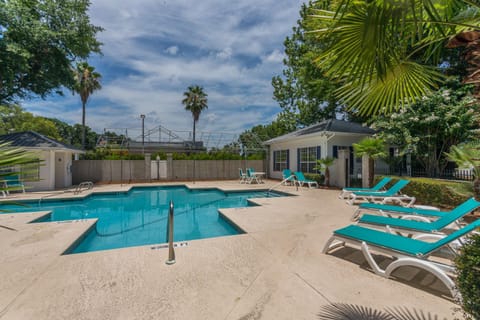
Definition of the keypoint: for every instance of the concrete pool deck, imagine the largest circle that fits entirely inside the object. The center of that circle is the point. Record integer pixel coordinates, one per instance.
(275, 271)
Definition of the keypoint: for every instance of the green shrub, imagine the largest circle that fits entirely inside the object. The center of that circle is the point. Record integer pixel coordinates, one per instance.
(468, 277)
(315, 176)
(434, 192)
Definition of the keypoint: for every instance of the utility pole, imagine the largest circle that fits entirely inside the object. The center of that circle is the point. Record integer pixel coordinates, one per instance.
(142, 116)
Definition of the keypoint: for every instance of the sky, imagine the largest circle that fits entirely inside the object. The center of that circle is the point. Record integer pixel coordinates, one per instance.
(154, 49)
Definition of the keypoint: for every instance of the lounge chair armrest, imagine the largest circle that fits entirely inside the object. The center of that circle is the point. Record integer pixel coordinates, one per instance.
(429, 236)
(416, 218)
(400, 200)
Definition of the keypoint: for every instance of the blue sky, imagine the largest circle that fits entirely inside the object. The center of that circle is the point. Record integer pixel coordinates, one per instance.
(153, 50)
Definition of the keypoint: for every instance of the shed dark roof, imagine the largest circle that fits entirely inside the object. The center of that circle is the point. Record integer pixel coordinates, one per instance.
(331, 125)
(31, 139)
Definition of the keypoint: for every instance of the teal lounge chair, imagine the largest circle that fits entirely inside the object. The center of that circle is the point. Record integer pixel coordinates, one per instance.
(391, 193)
(413, 252)
(288, 177)
(413, 226)
(389, 210)
(13, 183)
(301, 180)
(346, 192)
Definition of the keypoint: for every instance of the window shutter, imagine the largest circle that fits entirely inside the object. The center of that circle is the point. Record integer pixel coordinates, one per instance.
(319, 155)
(352, 159)
(275, 160)
(335, 152)
(288, 158)
(298, 159)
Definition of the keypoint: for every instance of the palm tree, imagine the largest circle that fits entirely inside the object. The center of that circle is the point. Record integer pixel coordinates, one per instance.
(87, 81)
(325, 163)
(374, 149)
(195, 101)
(386, 53)
(468, 156)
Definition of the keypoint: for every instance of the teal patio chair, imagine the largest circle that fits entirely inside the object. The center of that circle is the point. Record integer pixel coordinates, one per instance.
(251, 177)
(13, 183)
(301, 180)
(392, 193)
(288, 177)
(243, 176)
(406, 251)
(346, 192)
(411, 224)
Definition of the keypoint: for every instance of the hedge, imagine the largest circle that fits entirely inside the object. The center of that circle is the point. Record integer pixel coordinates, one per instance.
(434, 192)
(468, 277)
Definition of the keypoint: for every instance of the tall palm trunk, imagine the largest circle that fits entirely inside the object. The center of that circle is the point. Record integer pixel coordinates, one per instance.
(371, 171)
(83, 124)
(194, 123)
(327, 177)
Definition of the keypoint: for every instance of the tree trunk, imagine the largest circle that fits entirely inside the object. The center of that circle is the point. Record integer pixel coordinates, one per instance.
(83, 125)
(194, 122)
(327, 177)
(476, 188)
(371, 172)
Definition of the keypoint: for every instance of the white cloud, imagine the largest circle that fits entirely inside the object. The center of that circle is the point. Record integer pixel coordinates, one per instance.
(172, 50)
(275, 56)
(232, 49)
(225, 53)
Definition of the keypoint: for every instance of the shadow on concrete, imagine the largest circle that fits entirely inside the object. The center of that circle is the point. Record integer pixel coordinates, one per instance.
(411, 276)
(344, 311)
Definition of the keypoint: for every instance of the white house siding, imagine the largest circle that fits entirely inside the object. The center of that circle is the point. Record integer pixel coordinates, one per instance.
(47, 172)
(63, 165)
(346, 140)
(292, 145)
(325, 141)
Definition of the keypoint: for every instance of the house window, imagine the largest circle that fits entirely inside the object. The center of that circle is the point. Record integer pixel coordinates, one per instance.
(307, 159)
(31, 171)
(280, 160)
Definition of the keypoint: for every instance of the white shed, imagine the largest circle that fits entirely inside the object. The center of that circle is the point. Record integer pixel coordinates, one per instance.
(299, 150)
(54, 170)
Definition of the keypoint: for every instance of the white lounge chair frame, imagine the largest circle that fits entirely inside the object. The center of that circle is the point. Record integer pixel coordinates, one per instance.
(442, 271)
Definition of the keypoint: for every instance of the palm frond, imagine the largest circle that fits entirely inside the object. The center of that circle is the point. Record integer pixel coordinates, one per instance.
(401, 86)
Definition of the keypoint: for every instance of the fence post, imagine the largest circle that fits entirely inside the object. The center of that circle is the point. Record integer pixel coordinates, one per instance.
(148, 167)
(169, 166)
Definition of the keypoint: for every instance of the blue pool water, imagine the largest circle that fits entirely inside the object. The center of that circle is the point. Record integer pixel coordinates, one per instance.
(139, 217)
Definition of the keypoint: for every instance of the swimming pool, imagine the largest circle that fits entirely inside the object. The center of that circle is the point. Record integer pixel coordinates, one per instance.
(139, 217)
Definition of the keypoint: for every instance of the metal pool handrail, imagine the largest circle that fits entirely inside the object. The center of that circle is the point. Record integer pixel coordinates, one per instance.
(171, 251)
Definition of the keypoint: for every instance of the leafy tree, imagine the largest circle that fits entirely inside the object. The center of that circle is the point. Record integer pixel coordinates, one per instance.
(252, 139)
(303, 91)
(39, 41)
(431, 126)
(87, 81)
(374, 148)
(387, 54)
(14, 118)
(467, 156)
(195, 101)
(325, 163)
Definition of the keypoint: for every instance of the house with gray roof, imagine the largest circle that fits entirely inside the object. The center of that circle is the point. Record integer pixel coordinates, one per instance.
(299, 150)
(55, 166)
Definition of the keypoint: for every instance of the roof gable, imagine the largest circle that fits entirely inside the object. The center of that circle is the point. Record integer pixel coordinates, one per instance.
(331, 126)
(31, 139)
